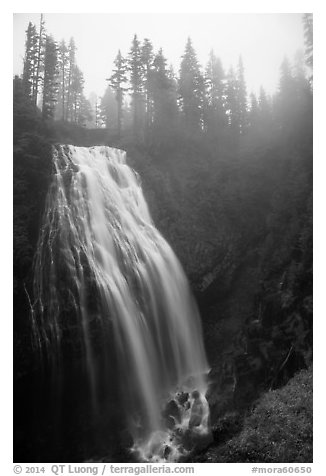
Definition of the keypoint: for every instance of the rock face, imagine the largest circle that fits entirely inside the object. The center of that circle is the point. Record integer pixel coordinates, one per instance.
(241, 227)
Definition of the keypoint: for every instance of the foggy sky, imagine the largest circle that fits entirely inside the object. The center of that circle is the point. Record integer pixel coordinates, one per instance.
(262, 39)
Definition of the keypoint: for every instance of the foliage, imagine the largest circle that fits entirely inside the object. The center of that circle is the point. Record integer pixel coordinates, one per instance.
(308, 33)
(136, 68)
(191, 88)
(147, 57)
(279, 428)
(215, 117)
(117, 81)
(30, 60)
(50, 84)
(164, 100)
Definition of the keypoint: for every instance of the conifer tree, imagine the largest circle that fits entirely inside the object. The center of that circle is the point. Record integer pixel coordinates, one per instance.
(286, 97)
(83, 114)
(254, 112)
(147, 57)
(30, 60)
(191, 88)
(108, 109)
(41, 38)
(231, 99)
(136, 68)
(117, 81)
(242, 118)
(63, 67)
(214, 80)
(50, 83)
(264, 105)
(236, 100)
(164, 95)
(308, 34)
(265, 109)
(71, 63)
(97, 114)
(77, 99)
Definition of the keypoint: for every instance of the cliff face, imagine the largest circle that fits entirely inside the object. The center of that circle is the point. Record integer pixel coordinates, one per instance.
(242, 227)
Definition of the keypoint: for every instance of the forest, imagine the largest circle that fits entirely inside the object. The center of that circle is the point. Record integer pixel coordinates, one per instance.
(227, 177)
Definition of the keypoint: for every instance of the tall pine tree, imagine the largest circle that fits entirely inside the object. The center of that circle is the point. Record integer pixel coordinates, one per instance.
(117, 81)
(108, 109)
(71, 63)
(215, 88)
(191, 89)
(164, 95)
(136, 68)
(253, 116)
(231, 99)
(242, 114)
(308, 35)
(39, 67)
(50, 83)
(30, 60)
(63, 68)
(77, 98)
(147, 57)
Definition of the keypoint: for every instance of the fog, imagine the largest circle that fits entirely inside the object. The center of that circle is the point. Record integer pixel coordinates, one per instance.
(262, 39)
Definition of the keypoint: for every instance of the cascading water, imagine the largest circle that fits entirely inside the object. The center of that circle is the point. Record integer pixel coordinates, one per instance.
(101, 259)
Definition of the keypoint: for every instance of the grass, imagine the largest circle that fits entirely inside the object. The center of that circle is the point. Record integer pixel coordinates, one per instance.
(278, 430)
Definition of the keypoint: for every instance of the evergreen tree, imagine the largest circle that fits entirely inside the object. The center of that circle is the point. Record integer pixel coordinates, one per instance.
(308, 34)
(231, 99)
(236, 100)
(63, 68)
(303, 107)
(77, 99)
(30, 60)
(50, 83)
(264, 103)
(265, 110)
(293, 103)
(286, 97)
(41, 38)
(98, 120)
(117, 81)
(214, 79)
(164, 95)
(242, 118)
(254, 112)
(260, 118)
(71, 63)
(191, 89)
(108, 109)
(136, 68)
(83, 113)
(286, 79)
(147, 57)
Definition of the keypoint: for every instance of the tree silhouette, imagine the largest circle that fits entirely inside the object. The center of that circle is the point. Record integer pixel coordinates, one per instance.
(117, 81)
(191, 89)
(50, 83)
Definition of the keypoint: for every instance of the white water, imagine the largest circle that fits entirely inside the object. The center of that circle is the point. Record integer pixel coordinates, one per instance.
(98, 225)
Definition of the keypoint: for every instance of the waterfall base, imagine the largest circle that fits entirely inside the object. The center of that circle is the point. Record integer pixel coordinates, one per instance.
(185, 428)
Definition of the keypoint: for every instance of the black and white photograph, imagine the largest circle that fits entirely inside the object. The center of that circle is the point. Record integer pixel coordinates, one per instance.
(162, 241)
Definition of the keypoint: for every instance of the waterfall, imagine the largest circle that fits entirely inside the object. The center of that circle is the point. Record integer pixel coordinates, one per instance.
(103, 274)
